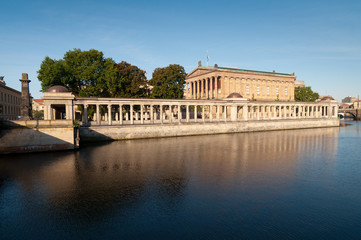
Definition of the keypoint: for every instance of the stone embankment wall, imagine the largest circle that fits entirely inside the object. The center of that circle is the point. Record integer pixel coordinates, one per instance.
(101, 133)
(35, 136)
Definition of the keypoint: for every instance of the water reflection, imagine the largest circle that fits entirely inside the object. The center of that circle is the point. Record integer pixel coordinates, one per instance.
(132, 183)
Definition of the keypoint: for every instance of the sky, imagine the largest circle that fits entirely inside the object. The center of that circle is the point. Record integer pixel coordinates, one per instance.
(320, 41)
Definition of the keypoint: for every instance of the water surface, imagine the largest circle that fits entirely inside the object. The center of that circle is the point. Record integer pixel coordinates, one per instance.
(299, 184)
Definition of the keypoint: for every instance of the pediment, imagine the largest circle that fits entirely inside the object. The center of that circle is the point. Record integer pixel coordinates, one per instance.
(198, 72)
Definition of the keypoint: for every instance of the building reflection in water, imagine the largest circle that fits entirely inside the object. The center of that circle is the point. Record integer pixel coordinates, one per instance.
(119, 178)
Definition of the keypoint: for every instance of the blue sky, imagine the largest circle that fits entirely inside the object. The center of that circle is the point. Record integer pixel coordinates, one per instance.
(318, 40)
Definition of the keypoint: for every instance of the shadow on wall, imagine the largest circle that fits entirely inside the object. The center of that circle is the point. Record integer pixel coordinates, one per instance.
(37, 136)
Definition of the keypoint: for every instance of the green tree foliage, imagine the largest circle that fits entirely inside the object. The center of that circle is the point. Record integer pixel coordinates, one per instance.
(305, 94)
(85, 73)
(130, 82)
(38, 114)
(168, 82)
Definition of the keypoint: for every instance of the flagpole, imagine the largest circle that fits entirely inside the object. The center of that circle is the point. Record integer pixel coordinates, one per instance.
(207, 58)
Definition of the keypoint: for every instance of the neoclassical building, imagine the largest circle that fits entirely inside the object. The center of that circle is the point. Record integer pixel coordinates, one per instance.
(10, 101)
(218, 82)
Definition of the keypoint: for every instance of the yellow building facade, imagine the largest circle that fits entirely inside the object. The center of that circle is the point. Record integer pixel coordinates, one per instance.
(10, 101)
(218, 82)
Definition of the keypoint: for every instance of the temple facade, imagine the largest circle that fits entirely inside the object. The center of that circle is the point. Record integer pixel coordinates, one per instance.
(218, 82)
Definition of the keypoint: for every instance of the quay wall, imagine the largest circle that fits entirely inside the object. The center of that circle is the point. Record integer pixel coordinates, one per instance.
(37, 136)
(123, 132)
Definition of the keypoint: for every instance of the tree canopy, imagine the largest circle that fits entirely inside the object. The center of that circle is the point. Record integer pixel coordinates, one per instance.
(130, 82)
(305, 94)
(89, 73)
(168, 82)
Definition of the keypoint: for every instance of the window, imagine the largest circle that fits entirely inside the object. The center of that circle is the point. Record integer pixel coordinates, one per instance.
(267, 91)
(276, 90)
(1, 109)
(247, 89)
(285, 91)
(257, 90)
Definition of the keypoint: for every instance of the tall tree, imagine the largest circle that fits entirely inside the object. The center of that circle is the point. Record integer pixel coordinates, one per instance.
(305, 94)
(85, 73)
(130, 82)
(168, 82)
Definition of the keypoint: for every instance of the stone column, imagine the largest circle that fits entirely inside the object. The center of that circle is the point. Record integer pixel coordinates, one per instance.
(51, 115)
(141, 114)
(170, 114)
(211, 113)
(207, 88)
(98, 114)
(120, 114)
(179, 114)
(294, 111)
(151, 114)
(195, 113)
(161, 113)
(225, 113)
(109, 114)
(234, 113)
(47, 112)
(257, 110)
(131, 114)
(245, 112)
(187, 113)
(216, 87)
(203, 116)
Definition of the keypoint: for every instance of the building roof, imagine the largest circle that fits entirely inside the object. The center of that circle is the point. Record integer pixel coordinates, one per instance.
(11, 89)
(247, 70)
(57, 89)
(39, 101)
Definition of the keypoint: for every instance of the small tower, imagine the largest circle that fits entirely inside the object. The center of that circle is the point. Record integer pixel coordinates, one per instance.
(25, 108)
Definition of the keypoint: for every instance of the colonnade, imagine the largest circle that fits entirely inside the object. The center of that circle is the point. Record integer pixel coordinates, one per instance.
(206, 88)
(149, 111)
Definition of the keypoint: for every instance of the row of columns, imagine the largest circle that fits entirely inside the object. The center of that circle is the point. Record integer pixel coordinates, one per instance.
(289, 111)
(203, 88)
(155, 113)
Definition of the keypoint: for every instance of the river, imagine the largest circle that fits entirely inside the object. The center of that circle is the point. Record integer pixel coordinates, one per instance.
(297, 184)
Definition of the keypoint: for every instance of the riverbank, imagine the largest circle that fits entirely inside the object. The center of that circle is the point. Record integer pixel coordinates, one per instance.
(123, 132)
(37, 136)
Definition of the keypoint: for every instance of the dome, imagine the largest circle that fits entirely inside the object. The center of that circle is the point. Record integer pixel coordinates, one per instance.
(57, 89)
(234, 95)
(327, 98)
